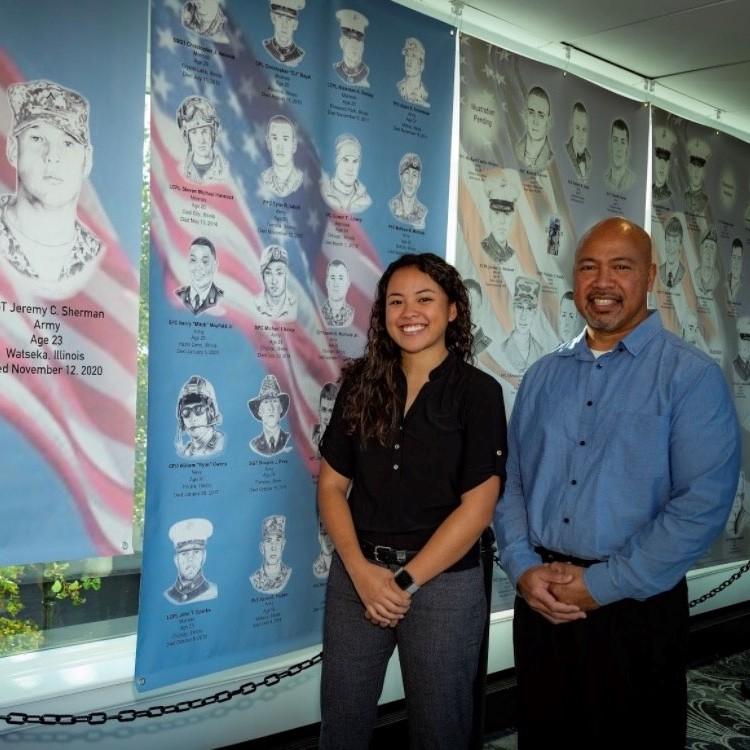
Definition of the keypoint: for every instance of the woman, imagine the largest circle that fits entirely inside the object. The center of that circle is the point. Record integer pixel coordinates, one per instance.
(412, 462)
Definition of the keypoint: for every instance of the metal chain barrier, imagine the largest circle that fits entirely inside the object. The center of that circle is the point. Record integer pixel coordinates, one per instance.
(130, 714)
(708, 595)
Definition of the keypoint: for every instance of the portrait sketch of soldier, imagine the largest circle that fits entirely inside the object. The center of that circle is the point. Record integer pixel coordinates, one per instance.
(336, 311)
(406, 207)
(569, 322)
(520, 349)
(619, 176)
(201, 294)
(696, 198)
(481, 339)
(322, 563)
(691, 330)
(198, 418)
(577, 146)
(411, 87)
(706, 275)
(554, 235)
(269, 407)
(326, 403)
(672, 271)
(189, 538)
(742, 360)
(199, 124)
(734, 277)
(273, 574)
(277, 302)
(282, 178)
(351, 68)
(502, 195)
(49, 146)
(534, 151)
(344, 191)
(281, 46)
(664, 143)
(205, 18)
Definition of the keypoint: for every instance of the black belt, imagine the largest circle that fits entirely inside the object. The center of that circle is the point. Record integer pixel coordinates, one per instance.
(386, 555)
(550, 556)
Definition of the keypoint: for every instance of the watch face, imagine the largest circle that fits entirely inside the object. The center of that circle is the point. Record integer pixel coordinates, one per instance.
(403, 580)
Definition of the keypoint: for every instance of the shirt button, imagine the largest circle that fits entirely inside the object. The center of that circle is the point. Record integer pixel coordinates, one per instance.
(598, 366)
(566, 520)
(583, 442)
(573, 481)
(395, 466)
(589, 403)
(397, 446)
(499, 453)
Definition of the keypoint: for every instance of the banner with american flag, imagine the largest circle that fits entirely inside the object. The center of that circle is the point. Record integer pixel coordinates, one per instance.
(297, 148)
(543, 156)
(71, 138)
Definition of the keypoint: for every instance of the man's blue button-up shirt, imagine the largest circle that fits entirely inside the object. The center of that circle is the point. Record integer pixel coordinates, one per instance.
(630, 458)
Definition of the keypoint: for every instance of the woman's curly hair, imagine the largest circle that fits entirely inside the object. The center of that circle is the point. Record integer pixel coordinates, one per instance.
(371, 406)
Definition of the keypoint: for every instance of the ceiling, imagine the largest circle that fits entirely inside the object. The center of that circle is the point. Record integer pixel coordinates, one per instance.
(696, 52)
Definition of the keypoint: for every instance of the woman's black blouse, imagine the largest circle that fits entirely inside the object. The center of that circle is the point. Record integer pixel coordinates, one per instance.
(452, 439)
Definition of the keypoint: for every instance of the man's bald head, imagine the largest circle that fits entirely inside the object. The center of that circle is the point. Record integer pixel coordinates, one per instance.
(620, 229)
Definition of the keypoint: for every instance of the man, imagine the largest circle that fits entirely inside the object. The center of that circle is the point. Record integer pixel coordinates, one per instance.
(502, 195)
(619, 176)
(41, 238)
(199, 124)
(344, 191)
(411, 88)
(273, 574)
(742, 360)
(664, 143)
(351, 69)
(326, 403)
(276, 302)
(534, 151)
(691, 330)
(198, 416)
(569, 323)
(336, 311)
(282, 178)
(205, 18)
(322, 563)
(269, 407)
(520, 349)
(734, 278)
(281, 46)
(189, 538)
(201, 293)
(671, 272)
(696, 199)
(706, 275)
(577, 145)
(607, 505)
(405, 206)
(481, 339)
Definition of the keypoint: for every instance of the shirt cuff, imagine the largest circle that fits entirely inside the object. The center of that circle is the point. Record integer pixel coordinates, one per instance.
(599, 583)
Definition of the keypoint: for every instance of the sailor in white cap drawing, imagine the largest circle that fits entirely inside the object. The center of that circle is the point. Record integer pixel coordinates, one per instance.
(351, 69)
(189, 538)
(285, 19)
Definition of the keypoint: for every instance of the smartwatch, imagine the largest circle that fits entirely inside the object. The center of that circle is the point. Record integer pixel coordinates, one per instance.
(405, 582)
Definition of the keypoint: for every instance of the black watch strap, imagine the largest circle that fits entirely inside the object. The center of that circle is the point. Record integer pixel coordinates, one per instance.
(404, 581)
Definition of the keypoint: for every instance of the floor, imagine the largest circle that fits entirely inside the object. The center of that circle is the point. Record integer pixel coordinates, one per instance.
(718, 714)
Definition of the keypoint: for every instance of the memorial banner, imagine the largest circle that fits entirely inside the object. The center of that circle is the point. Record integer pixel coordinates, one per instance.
(297, 149)
(700, 225)
(71, 170)
(543, 156)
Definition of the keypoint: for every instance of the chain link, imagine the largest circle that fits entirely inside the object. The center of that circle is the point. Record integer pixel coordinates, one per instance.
(701, 599)
(131, 714)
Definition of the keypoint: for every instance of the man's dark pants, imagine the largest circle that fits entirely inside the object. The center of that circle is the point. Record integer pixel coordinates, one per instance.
(614, 680)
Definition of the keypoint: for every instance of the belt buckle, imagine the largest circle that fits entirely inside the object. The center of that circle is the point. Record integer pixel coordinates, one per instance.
(376, 553)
